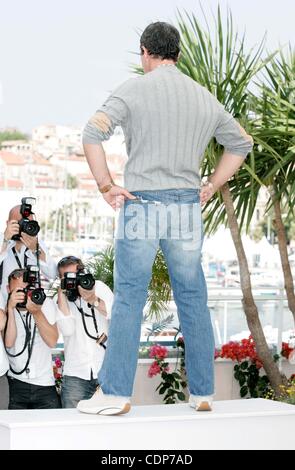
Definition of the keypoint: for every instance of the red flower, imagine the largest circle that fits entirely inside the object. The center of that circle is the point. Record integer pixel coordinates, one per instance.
(286, 350)
(155, 369)
(158, 352)
(241, 350)
(58, 362)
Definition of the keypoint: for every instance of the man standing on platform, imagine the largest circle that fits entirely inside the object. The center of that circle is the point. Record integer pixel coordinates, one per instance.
(168, 120)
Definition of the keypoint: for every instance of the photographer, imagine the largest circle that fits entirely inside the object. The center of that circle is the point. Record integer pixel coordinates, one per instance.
(19, 249)
(3, 357)
(82, 318)
(30, 334)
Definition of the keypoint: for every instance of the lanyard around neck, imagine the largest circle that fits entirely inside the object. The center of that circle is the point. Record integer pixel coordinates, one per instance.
(18, 260)
(83, 315)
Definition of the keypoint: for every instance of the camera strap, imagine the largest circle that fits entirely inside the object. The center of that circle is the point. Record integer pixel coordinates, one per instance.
(28, 344)
(38, 261)
(83, 315)
(18, 260)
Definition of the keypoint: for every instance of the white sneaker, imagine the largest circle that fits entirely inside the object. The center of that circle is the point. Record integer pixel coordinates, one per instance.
(200, 403)
(103, 404)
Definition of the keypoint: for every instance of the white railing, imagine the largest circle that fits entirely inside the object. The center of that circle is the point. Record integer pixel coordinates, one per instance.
(222, 316)
(235, 294)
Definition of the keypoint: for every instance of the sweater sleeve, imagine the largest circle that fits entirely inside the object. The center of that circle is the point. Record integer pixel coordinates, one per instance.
(113, 113)
(232, 135)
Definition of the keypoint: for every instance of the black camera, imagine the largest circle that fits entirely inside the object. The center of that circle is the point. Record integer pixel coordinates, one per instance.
(30, 227)
(32, 275)
(71, 281)
(36, 294)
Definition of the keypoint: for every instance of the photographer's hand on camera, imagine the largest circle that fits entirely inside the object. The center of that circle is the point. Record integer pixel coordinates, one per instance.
(16, 297)
(12, 228)
(33, 308)
(88, 295)
(29, 242)
(32, 243)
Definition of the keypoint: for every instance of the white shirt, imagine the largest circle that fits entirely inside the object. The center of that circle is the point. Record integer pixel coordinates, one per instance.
(83, 354)
(40, 366)
(48, 268)
(4, 365)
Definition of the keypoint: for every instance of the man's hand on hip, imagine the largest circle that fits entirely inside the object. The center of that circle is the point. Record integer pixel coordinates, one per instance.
(207, 191)
(116, 196)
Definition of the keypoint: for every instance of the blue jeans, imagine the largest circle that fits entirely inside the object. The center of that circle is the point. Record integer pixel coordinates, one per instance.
(170, 219)
(26, 396)
(74, 389)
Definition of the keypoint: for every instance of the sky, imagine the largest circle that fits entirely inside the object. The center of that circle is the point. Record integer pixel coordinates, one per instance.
(60, 59)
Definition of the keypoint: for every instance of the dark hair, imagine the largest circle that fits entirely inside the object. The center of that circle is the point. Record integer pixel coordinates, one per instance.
(68, 260)
(16, 274)
(161, 40)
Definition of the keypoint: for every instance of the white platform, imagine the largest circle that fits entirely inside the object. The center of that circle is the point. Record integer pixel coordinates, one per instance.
(235, 424)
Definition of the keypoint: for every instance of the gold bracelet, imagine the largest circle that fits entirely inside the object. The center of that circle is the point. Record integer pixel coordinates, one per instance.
(106, 188)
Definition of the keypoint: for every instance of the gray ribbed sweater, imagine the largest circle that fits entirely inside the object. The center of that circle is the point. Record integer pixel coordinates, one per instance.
(168, 120)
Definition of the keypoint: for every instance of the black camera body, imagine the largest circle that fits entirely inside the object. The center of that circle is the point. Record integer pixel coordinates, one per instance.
(71, 281)
(36, 294)
(30, 227)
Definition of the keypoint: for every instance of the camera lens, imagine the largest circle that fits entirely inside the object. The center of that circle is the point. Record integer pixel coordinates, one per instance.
(30, 227)
(86, 281)
(38, 296)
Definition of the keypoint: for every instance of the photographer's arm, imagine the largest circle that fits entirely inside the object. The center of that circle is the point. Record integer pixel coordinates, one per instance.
(3, 250)
(48, 332)
(91, 297)
(10, 335)
(3, 319)
(65, 319)
(12, 228)
(107, 297)
(11, 330)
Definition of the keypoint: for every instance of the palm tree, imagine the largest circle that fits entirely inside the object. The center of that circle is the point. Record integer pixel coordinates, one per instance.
(276, 128)
(223, 66)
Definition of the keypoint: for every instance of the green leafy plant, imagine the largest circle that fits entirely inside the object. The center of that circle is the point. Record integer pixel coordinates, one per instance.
(247, 370)
(174, 383)
(102, 266)
(250, 381)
